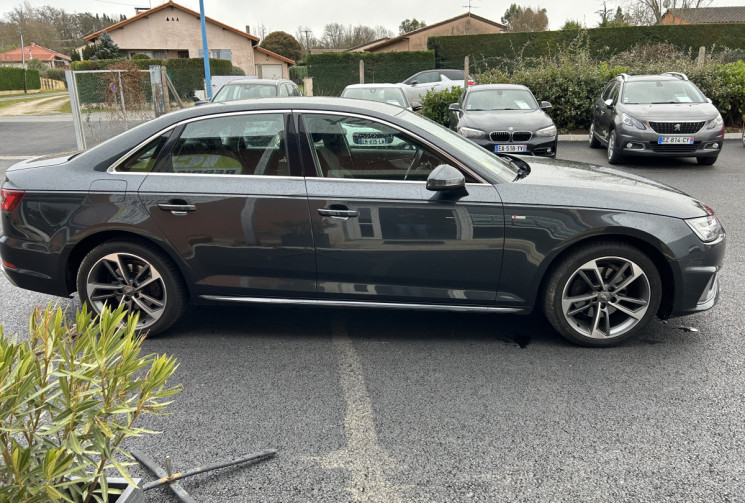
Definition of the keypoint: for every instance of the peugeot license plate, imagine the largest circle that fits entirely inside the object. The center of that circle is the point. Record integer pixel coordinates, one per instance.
(676, 140)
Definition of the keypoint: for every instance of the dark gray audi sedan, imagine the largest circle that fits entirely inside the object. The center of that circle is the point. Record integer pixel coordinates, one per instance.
(338, 202)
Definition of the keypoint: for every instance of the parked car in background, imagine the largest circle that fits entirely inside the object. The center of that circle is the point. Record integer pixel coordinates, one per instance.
(244, 89)
(505, 118)
(340, 202)
(656, 115)
(436, 80)
(394, 94)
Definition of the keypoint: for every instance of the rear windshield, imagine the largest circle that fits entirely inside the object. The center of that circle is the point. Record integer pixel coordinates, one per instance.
(660, 92)
(230, 92)
(393, 96)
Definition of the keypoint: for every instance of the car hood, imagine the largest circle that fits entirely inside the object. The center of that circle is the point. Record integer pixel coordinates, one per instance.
(672, 112)
(566, 183)
(526, 120)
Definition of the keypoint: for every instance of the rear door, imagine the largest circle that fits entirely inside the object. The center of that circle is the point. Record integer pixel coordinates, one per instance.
(229, 196)
(380, 235)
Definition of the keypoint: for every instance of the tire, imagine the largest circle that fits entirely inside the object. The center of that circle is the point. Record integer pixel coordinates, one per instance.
(592, 140)
(151, 286)
(582, 299)
(706, 161)
(614, 156)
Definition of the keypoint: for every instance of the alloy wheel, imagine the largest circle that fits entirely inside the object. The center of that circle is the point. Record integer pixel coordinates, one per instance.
(125, 279)
(606, 297)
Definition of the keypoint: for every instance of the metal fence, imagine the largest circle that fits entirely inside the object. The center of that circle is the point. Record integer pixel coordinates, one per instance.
(106, 103)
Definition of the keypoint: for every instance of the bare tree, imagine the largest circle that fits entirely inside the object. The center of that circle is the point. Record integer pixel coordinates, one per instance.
(651, 11)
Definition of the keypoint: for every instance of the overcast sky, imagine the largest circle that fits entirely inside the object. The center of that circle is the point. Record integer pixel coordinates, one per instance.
(288, 15)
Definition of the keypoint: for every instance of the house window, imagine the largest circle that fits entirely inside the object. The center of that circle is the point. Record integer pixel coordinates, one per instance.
(218, 54)
(160, 54)
(183, 54)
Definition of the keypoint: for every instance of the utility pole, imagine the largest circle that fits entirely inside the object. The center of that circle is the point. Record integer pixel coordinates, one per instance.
(307, 41)
(23, 62)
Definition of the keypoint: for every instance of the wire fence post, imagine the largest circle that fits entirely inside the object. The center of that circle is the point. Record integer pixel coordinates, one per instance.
(465, 73)
(121, 95)
(362, 71)
(72, 87)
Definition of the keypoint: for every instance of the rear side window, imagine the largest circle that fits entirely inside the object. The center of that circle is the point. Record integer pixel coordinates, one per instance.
(143, 161)
(453, 74)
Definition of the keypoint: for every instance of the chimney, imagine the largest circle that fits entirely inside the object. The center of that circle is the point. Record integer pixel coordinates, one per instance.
(248, 29)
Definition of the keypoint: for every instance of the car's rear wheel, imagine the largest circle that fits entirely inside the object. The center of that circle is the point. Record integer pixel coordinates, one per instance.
(602, 294)
(706, 161)
(136, 275)
(592, 140)
(614, 155)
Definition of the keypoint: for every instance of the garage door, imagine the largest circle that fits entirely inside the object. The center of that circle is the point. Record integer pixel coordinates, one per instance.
(269, 71)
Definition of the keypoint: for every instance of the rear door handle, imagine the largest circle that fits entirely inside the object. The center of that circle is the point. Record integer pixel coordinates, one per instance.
(178, 209)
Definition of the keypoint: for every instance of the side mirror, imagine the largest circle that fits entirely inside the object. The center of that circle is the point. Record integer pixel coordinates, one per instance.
(446, 178)
(413, 83)
(545, 105)
(416, 106)
(454, 107)
(708, 100)
(608, 103)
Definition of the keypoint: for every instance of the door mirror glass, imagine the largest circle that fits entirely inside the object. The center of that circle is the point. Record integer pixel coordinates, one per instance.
(545, 105)
(609, 103)
(446, 178)
(454, 107)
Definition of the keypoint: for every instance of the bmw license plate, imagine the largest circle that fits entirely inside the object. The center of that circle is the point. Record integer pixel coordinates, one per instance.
(511, 148)
(675, 140)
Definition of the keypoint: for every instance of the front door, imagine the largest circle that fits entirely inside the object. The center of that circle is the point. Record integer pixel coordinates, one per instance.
(380, 235)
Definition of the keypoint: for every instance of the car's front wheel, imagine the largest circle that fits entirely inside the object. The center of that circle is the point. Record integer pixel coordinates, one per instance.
(602, 294)
(592, 139)
(614, 154)
(136, 275)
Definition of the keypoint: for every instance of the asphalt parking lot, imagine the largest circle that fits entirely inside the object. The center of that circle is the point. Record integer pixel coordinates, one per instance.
(408, 406)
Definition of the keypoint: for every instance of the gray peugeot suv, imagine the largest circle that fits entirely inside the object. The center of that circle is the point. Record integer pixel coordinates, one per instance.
(656, 115)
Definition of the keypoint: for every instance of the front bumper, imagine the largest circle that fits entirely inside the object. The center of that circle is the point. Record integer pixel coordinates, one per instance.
(698, 286)
(635, 142)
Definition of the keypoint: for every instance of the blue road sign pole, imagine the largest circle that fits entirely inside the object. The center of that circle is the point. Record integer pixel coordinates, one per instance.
(206, 52)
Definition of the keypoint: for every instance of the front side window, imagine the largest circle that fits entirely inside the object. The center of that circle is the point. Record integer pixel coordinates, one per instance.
(252, 144)
(364, 149)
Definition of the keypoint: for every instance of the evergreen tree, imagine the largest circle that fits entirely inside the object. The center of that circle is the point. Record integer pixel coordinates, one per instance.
(106, 48)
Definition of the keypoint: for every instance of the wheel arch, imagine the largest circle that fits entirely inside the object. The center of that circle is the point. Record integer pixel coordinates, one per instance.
(654, 249)
(85, 245)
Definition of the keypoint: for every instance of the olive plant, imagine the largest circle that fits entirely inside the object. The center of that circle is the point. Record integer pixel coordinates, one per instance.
(70, 394)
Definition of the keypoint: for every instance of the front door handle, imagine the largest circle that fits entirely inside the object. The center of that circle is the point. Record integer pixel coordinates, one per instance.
(338, 213)
(179, 210)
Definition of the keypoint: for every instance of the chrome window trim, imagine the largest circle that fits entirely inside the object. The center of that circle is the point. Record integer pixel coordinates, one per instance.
(429, 144)
(112, 168)
(352, 303)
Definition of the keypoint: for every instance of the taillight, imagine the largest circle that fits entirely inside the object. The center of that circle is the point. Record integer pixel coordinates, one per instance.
(471, 82)
(10, 199)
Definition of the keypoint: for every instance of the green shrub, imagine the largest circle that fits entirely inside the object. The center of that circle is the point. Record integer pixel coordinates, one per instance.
(11, 79)
(298, 73)
(70, 394)
(140, 56)
(435, 104)
(56, 74)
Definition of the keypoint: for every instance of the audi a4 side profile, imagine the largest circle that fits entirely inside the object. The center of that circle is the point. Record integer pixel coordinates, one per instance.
(338, 202)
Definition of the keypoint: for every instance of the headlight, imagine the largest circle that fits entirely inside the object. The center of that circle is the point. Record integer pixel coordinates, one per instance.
(472, 133)
(630, 121)
(706, 228)
(547, 131)
(716, 123)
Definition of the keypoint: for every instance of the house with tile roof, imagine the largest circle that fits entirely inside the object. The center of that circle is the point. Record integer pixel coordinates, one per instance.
(703, 15)
(416, 40)
(171, 30)
(33, 51)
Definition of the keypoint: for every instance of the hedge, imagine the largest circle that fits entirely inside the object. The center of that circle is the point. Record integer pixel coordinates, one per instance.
(11, 79)
(333, 71)
(187, 74)
(491, 49)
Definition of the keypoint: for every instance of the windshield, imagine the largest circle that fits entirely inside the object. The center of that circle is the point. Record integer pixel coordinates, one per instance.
(500, 99)
(230, 92)
(391, 95)
(486, 159)
(661, 91)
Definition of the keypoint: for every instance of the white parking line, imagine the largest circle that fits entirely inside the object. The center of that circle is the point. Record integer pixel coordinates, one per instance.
(363, 456)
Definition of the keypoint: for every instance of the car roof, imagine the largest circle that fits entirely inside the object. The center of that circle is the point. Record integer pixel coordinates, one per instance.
(486, 87)
(257, 81)
(662, 76)
(375, 86)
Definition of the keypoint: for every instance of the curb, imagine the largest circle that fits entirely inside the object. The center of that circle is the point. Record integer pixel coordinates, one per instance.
(583, 137)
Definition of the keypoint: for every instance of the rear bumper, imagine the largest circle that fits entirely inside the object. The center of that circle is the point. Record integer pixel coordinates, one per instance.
(31, 270)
